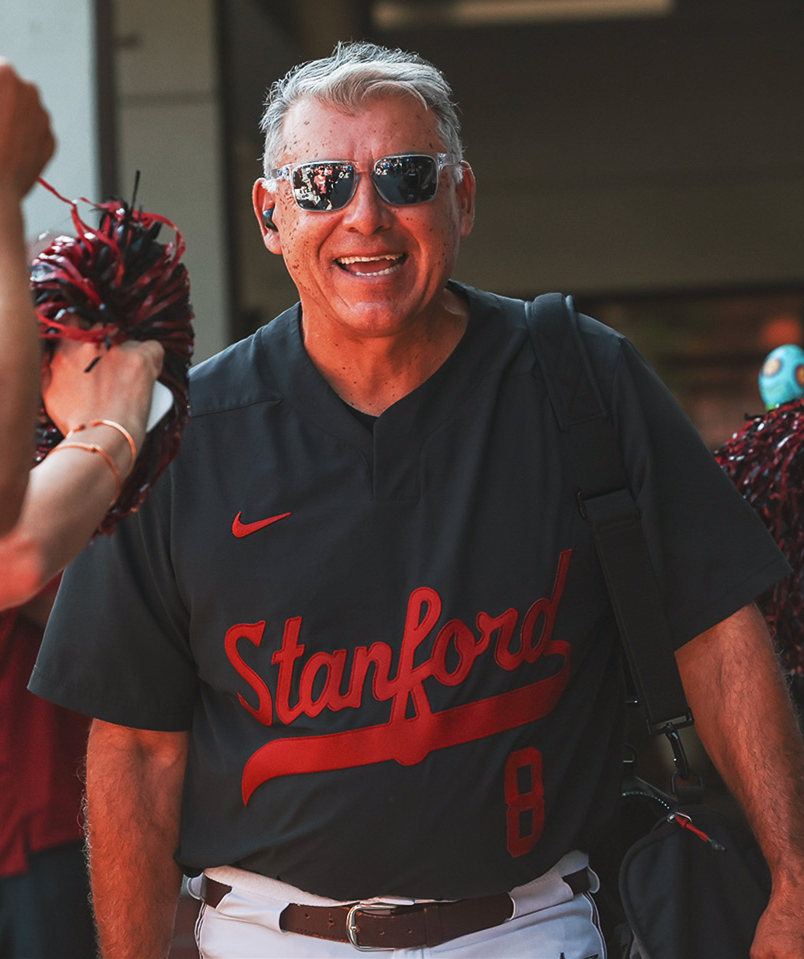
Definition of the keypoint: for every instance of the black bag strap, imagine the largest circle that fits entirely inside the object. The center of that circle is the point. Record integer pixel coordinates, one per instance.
(592, 452)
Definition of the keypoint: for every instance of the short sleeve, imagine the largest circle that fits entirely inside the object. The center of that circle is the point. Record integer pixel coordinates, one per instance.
(711, 552)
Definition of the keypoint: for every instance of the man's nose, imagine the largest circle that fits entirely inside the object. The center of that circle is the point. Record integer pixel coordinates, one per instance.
(368, 212)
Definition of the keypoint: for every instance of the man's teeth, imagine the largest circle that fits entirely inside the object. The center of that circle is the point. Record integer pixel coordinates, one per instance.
(394, 261)
(369, 259)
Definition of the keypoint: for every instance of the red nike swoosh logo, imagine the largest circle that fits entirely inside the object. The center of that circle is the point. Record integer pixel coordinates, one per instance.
(246, 529)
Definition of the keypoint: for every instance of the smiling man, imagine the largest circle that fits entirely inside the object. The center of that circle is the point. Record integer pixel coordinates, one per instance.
(353, 667)
(377, 316)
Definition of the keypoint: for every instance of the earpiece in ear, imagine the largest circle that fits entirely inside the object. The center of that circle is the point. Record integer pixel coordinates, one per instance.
(268, 218)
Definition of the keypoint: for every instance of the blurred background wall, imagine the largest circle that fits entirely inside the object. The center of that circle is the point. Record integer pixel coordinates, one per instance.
(645, 155)
(55, 44)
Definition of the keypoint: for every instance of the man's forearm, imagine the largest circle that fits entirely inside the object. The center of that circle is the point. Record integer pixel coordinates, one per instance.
(134, 784)
(747, 725)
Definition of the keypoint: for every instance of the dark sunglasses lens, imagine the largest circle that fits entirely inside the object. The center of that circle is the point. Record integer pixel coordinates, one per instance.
(323, 186)
(403, 180)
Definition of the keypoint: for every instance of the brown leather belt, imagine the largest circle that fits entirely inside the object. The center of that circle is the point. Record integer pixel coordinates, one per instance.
(370, 926)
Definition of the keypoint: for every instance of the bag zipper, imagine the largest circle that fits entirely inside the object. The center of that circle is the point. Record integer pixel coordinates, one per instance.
(685, 821)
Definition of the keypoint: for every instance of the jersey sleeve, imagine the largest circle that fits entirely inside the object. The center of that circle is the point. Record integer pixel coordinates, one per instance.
(710, 550)
(115, 647)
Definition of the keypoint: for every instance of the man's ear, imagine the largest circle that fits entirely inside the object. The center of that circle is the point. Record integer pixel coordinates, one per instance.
(264, 203)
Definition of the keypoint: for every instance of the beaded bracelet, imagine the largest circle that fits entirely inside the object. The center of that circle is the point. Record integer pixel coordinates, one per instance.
(115, 426)
(93, 448)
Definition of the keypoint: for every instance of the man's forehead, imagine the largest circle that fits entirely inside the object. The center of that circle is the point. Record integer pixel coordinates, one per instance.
(311, 123)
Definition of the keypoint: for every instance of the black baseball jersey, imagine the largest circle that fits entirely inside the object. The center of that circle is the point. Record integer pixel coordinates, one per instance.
(393, 648)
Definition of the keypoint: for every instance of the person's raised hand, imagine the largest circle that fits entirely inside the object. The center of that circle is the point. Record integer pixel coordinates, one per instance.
(26, 139)
(85, 382)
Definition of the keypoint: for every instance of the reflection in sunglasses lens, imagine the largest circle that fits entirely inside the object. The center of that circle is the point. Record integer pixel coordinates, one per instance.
(403, 180)
(400, 180)
(323, 186)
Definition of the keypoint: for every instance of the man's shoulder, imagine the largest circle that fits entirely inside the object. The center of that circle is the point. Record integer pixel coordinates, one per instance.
(241, 374)
(602, 343)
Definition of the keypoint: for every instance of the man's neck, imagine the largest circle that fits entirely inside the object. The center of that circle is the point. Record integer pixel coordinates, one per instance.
(373, 373)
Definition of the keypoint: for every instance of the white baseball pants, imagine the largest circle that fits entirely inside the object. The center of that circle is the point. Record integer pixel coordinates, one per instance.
(548, 922)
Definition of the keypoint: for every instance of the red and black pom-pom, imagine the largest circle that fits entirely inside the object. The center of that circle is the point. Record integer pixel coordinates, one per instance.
(765, 460)
(107, 285)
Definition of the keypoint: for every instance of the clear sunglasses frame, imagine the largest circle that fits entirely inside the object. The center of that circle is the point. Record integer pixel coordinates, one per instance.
(290, 170)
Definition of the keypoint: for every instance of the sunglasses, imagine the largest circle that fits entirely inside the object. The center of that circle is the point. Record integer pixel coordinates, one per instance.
(401, 180)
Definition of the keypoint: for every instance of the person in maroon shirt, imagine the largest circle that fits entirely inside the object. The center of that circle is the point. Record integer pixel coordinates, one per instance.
(44, 893)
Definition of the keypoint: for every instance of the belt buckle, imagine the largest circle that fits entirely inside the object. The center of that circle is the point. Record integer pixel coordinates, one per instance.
(351, 923)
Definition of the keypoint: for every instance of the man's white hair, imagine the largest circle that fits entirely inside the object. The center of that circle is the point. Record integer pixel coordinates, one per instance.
(353, 73)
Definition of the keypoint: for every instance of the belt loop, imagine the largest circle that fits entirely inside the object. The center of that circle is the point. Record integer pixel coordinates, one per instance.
(212, 891)
(433, 929)
(579, 882)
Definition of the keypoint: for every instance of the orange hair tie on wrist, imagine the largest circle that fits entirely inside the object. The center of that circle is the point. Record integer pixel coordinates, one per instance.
(115, 426)
(120, 429)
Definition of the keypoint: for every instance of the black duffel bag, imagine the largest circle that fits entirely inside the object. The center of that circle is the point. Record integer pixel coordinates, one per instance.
(691, 879)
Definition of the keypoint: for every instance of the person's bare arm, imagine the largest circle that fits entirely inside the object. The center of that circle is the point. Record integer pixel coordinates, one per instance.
(38, 609)
(134, 785)
(26, 145)
(70, 492)
(747, 725)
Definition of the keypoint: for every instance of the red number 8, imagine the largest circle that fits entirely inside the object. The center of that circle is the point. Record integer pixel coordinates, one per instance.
(525, 806)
